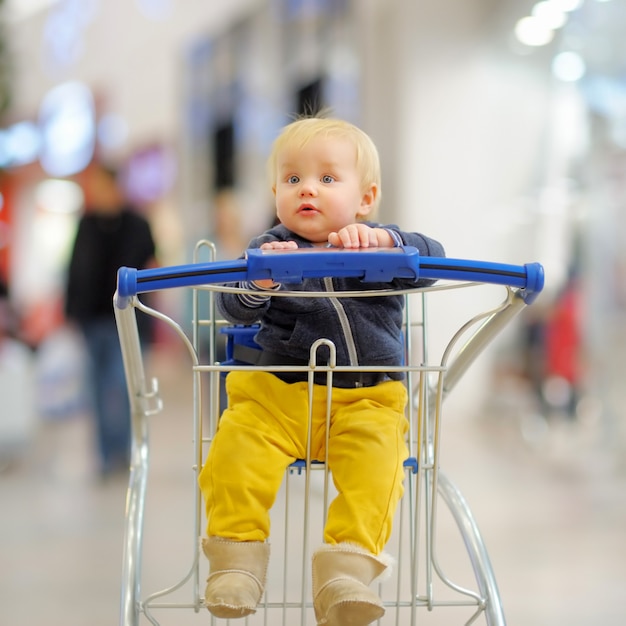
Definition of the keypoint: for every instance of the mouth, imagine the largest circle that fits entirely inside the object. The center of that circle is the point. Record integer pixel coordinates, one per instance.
(307, 209)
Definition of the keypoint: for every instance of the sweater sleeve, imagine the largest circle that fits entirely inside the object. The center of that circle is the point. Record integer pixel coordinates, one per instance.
(247, 308)
(425, 246)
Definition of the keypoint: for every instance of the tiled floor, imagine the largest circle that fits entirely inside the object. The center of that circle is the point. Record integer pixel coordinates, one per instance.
(553, 515)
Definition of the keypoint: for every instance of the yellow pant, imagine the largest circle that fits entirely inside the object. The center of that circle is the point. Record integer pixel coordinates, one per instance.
(264, 429)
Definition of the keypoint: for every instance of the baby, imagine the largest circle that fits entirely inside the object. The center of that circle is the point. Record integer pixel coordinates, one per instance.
(325, 175)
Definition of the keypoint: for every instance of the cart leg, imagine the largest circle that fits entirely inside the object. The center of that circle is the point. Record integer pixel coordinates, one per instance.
(133, 537)
(476, 550)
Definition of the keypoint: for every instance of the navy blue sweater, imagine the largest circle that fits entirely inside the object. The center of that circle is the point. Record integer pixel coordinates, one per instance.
(366, 331)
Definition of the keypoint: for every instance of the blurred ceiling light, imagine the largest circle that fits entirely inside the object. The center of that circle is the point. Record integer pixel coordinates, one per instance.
(568, 66)
(531, 31)
(19, 144)
(18, 10)
(63, 41)
(549, 14)
(23, 142)
(150, 173)
(4, 156)
(59, 196)
(68, 127)
(567, 5)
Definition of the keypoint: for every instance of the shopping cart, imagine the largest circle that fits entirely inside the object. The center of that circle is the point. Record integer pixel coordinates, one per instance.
(419, 583)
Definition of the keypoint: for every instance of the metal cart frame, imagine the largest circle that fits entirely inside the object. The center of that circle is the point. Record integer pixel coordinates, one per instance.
(418, 566)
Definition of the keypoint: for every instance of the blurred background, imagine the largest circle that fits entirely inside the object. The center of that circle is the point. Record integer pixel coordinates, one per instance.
(502, 131)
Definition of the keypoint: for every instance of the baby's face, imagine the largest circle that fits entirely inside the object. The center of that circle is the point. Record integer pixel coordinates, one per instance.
(318, 188)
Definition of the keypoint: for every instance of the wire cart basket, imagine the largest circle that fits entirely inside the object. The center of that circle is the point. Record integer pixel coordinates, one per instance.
(418, 583)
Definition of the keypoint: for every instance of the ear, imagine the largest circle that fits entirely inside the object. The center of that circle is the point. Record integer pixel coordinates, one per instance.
(368, 200)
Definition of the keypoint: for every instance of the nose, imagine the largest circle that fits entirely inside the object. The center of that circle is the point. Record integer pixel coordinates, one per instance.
(308, 189)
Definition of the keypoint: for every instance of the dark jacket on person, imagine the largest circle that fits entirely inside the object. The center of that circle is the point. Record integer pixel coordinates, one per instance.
(103, 244)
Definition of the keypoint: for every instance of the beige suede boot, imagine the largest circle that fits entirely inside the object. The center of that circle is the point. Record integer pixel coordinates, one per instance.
(341, 595)
(236, 576)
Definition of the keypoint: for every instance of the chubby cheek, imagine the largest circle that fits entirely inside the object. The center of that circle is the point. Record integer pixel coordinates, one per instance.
(281, 201)
(283, 211)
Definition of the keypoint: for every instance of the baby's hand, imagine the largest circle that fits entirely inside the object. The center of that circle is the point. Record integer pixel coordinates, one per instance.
(268, 283)
(360, 236)
(279, 245)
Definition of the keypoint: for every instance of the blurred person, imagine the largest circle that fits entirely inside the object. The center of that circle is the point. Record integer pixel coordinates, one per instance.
(325, 175)
(111, 233)
(563, 373)
(533, 346)
(553, 352)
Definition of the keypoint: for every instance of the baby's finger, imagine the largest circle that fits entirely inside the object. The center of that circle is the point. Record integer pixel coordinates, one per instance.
(352, 236)
(279, 245)
(367, 237)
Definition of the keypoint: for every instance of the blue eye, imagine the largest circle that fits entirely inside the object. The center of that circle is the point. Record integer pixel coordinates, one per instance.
(327, 179)
(293, 179)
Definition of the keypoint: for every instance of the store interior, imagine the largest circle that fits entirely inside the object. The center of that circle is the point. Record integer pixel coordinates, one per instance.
(501, 127)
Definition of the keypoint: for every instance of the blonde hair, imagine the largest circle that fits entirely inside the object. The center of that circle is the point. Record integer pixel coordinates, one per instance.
(298, 134)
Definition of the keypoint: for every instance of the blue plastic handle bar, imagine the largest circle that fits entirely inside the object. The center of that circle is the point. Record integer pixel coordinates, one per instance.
(292, 266)
(529, 277)
(368, 264)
